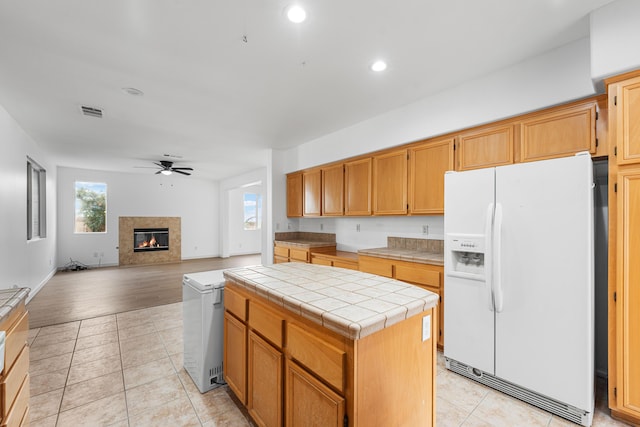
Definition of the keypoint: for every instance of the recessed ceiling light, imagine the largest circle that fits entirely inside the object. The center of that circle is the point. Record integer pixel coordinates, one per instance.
(296, 14)
(379, 66)
(132, 91)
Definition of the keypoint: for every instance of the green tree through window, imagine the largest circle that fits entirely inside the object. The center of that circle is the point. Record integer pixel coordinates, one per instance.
(91, 207)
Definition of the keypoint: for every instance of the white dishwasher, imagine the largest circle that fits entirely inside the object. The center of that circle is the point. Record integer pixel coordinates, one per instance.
(203, 314)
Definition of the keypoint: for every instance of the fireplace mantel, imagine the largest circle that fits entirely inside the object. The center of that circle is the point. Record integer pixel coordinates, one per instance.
(126, 254)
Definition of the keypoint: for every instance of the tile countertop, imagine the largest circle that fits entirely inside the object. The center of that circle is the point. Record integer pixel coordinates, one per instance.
(424, 251)
(305, 239)
(351, 303)
(10, 299)
(306, 243)
(411, 255)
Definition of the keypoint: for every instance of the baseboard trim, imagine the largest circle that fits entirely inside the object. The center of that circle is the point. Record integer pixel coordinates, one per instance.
(40, 285)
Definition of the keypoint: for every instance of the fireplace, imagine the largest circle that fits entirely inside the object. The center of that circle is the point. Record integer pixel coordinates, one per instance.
(150, 239)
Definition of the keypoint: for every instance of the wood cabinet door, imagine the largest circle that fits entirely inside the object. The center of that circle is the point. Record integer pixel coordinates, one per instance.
(627, 120)
(312, 183)
(559, 133)
(628, 293)
(235, 356)
(390, 183)
(333, 191)
(308, 402)
(374, 265)
(357, 188)
(485, 148)
(265, 382)
(427, 165)
(294, 194)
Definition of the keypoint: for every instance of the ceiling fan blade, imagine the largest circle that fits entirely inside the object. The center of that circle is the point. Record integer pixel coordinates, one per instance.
(158, 172)
(159, 165)
(183, 173)
(182, 169)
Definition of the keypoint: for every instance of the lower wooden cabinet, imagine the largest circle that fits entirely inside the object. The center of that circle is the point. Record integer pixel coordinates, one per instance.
(424, 275)
(341, 259)
(265, 382)
(289, 371)
(310, 403)
(235, 355)
(283, 252)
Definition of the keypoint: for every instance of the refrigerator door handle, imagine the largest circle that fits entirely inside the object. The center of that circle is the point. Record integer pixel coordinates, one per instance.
(498, 296)
(488, 255)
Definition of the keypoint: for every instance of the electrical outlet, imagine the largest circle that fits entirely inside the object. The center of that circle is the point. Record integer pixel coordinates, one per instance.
(277, 226)
(425, 229)
(358, 227)
(288, 226)
(321, 226)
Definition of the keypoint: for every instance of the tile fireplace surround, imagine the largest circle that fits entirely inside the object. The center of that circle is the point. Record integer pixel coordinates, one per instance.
(127, 256)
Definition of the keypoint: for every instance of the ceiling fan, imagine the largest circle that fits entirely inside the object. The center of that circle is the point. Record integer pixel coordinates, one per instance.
(166, 168)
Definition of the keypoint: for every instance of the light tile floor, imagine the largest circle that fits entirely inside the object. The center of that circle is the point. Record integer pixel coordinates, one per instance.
(126, 370)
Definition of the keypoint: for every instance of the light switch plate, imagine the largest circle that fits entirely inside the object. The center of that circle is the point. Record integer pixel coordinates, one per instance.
(426, 327)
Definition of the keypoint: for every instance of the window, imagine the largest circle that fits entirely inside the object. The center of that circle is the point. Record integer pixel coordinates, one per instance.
(91, 207)
(36, 201)
(252, 211)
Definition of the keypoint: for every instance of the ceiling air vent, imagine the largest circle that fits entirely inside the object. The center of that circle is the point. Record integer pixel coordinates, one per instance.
(91, 111)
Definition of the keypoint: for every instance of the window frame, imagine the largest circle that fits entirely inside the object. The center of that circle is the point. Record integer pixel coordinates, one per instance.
(257, 211)
(75, 200)
(36, 189)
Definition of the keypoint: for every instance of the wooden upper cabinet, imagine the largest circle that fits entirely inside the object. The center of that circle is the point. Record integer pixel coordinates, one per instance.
(357, 187)
(626, 125)
(390, 183)
(486, 147)
(559, 133)
(311, 181)
(333, 190)
(294, 194)
(427, 165)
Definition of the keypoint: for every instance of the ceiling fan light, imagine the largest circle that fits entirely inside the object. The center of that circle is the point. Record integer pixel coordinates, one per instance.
(165, 172)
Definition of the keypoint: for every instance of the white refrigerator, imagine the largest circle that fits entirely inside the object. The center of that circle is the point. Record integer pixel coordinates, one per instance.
(519, 281)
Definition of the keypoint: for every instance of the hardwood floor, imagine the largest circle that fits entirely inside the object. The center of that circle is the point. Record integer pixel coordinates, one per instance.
(79, 295)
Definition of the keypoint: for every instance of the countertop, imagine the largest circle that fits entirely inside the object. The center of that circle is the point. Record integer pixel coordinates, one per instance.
(352, 303)
(305, 239)
(306, 243)
(10, 299)
(410, 255)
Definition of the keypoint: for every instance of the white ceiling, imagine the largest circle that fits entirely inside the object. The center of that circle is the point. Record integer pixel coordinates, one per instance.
(219, 102)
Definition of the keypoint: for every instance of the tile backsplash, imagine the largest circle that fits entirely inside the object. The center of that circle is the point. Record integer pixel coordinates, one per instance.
(426, 245)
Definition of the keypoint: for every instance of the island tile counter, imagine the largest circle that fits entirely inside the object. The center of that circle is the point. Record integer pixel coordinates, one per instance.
(351, 303)
(308, 344)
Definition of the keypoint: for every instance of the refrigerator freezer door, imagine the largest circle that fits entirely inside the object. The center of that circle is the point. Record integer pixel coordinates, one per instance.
(544, 332)
(469, 318)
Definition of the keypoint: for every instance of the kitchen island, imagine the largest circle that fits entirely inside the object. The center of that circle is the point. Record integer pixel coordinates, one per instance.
(313, 345)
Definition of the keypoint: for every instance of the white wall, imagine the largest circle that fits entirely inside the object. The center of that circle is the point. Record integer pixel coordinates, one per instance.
(615, 37)
(23, 263)
(242, 241)
(195, 200)
(558, 76)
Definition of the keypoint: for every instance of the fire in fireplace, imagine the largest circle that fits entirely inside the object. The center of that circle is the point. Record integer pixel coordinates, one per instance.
(150, 239)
